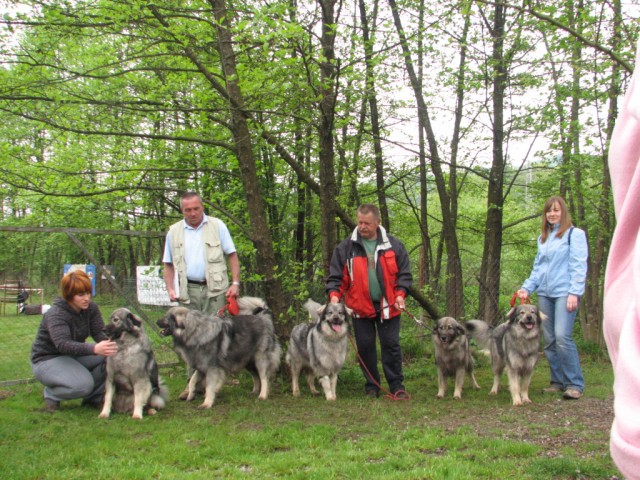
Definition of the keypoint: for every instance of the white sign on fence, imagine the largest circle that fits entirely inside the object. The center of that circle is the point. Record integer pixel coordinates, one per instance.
(151, 287)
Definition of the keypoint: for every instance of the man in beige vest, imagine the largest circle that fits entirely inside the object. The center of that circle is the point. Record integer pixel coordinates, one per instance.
(196, 253)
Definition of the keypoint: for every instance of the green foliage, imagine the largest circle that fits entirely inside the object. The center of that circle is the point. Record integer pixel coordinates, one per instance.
(110, 109)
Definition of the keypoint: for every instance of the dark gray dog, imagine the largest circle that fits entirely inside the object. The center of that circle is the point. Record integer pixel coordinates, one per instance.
(319, 348)
(513, 345)
(133, 383)
(214, 347)
(452, 354)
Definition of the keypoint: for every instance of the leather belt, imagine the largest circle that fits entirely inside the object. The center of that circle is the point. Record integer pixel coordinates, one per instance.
(195, 282)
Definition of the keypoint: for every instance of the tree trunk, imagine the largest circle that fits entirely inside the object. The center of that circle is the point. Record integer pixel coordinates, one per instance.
(455, 297)
(373, 107)
(325, 130)
(261, 234)
(592, 314)
(490, 268)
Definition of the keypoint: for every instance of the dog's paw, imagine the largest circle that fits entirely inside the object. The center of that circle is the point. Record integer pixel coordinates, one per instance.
(137, 416)
(103, 415)
(151, 411)
(457, 397)
(205, 406)
(440, 395)
(493, 392)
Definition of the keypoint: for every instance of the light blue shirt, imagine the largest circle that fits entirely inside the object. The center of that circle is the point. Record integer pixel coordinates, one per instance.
(194, 248)
(560, 267)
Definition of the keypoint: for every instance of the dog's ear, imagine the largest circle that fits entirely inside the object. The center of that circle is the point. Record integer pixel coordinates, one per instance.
(511, 314)
(436, 326)
(460, 330)
(349, 311)
(321, 310)
(542, 316)
(135, 321)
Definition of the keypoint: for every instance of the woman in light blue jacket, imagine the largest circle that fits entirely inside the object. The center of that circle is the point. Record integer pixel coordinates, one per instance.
(558, 276)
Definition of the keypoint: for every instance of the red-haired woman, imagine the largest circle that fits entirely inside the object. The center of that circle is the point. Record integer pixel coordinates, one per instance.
(60, 359)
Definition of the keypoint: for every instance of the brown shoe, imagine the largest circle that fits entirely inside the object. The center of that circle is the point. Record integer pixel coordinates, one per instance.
(51, 406)
(553, 389)
(401, 395)
(572, 394)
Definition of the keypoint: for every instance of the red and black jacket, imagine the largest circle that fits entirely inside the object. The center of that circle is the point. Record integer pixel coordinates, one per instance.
(349, 278)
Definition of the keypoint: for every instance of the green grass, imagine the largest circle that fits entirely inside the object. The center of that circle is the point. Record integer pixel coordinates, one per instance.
(480, 437)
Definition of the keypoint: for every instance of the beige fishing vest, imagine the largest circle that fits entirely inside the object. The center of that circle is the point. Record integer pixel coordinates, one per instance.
(216, 265)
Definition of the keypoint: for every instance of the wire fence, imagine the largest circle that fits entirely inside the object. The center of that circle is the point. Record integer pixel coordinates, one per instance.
(18, 330)
(19, 324)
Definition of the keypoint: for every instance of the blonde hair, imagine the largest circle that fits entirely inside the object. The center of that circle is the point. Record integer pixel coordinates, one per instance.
(75, 283)
(565, 218)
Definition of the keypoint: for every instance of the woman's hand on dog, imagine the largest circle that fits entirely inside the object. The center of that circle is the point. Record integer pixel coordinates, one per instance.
(106, 348)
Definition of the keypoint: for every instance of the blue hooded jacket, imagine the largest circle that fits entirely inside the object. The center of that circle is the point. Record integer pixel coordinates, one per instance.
(560, 267)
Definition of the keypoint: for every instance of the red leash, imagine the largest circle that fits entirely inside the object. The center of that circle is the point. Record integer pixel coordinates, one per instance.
(392, 396)
(231, 306)
(522, 301)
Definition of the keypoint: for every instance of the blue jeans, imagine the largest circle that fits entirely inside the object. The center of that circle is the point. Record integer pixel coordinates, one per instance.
(559, 347)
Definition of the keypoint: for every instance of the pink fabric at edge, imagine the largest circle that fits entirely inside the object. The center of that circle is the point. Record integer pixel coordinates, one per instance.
(622, 283)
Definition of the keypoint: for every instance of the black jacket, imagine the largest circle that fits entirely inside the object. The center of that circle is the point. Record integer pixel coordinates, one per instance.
(63, 331)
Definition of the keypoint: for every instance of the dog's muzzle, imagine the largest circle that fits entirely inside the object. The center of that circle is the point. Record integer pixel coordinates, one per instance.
(111, 333)
(528, 323)
(165, 332)
(165, 328)
(336, 325)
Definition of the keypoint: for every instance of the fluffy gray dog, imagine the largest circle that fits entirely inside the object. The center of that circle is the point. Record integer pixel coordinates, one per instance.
(514, 345)
(214, 347)
(319, 348)
(452, 354)
(133, 383)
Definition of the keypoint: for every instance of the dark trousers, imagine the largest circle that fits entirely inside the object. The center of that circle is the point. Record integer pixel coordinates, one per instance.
(389, 335)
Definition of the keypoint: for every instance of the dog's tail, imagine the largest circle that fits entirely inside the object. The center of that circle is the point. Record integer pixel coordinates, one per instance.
(314, 309)
(480, 331)
(160, 397)
(251, 305)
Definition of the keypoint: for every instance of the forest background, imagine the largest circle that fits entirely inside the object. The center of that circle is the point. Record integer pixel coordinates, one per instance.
(458, 118)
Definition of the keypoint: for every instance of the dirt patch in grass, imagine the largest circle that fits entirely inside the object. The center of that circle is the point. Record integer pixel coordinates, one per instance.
(6, 394)
(580, 425)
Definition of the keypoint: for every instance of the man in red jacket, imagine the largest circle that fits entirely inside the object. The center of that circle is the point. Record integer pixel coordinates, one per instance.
(371, 271)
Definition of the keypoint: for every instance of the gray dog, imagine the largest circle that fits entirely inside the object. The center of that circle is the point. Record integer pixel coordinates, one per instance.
(213, 347)
(514, 345)
(452, 354)
(133, 384)
(319, 347)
